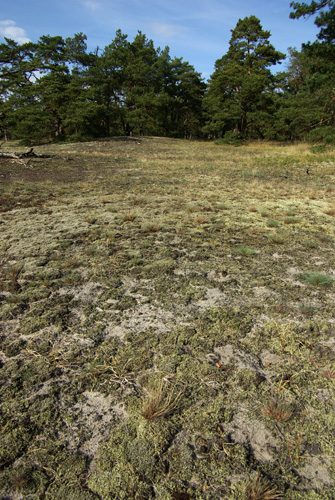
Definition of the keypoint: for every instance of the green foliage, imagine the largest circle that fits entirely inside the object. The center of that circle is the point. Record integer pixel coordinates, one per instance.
(318, 279)
(311, 75)
(244, 251)
(240, 90)
(325, 19)
(325, 135)
(54, 89)
(233, 138)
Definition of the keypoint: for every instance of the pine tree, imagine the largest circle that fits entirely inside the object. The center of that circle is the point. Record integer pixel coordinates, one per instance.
(140, 87)
(17, 68)
(105, 80)
(241, 86)
(184, 89)
(318, 58)
(39, 84)
(325, 19)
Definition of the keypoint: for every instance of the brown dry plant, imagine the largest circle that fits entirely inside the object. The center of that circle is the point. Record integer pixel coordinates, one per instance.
(278, 411)
(159, 402)
(260, 489)
(329, 373)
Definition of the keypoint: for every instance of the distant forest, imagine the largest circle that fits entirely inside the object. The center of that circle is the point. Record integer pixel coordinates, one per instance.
(56, 90)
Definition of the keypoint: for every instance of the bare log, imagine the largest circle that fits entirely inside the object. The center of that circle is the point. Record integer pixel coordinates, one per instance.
(28, 154)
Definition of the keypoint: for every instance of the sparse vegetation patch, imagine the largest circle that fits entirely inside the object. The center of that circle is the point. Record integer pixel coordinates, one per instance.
(162, 337)
(318, 279)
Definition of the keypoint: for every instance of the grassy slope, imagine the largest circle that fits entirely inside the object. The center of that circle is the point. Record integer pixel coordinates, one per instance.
(167, 323)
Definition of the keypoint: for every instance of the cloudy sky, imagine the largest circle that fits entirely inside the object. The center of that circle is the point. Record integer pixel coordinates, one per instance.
(197, 30)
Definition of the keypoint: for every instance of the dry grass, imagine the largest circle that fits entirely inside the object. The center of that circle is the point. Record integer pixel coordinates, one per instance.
(278, 411)
(129, 217)
(151, 227)
(160, 402)
(261, 489)
(329, 373)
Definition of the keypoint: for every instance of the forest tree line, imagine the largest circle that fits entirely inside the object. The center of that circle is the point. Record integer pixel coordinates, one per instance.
(56, 90)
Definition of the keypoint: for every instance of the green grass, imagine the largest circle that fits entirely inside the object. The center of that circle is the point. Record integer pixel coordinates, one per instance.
(277, 239)
(244, 251)
(272, 223)
(161, 336)
(317, 279)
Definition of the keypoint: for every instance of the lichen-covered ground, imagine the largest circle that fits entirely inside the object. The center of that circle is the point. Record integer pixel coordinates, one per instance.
(167, 322)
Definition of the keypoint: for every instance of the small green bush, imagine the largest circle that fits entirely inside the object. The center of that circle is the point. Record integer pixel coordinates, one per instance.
(272, 223)
(319, 148)
(276, 238)
(310, 243)
(245, 251)
(317, 279)
(325, 135)
(231, 138)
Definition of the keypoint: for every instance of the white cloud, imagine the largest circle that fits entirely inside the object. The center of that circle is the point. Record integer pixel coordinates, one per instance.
(9, 29)
(168, 30)
(91, 4)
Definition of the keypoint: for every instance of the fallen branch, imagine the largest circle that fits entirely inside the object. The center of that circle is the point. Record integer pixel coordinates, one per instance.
(27, 154)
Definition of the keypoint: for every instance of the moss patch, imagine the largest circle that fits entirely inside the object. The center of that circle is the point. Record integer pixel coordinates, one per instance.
(167, 323)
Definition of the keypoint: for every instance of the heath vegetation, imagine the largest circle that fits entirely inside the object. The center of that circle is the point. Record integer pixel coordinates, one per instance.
(167, 321)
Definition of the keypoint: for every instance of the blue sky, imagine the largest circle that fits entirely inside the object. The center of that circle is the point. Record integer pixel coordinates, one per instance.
(197, 30)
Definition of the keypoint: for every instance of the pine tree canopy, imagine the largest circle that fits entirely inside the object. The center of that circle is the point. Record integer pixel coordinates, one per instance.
(55, 89)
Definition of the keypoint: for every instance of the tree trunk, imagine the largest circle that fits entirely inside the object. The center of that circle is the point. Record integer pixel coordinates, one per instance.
(57, 121)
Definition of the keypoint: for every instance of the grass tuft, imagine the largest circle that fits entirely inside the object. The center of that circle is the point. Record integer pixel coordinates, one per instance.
(159, 402)
(261, 489)
(329, 373)
(272, 223)
(276, 239)
(306, 310)
(151, 227)
(129, 218)
(245, 251)
(317, 279)
(278, 411)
